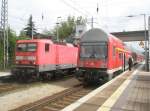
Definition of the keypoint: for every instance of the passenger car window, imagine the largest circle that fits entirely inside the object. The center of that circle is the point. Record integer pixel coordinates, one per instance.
(46, 47)
(120, 56)
(114, 51)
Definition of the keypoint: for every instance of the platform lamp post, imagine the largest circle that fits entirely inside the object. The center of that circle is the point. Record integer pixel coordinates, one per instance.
(57, 33)
(145, 38)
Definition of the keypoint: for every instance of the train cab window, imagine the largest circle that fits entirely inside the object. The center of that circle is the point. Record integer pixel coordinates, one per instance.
(21, 47)
(26, 47)
(94, 51)
(46, 47)
(31, 47)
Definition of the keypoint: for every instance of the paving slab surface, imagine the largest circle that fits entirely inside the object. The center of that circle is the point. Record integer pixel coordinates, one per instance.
(19, 98)
(133, 94)
(4, 74)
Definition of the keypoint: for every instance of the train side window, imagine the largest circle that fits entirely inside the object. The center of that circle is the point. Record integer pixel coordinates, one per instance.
(114, 51)
(46, 47)
(120, 56)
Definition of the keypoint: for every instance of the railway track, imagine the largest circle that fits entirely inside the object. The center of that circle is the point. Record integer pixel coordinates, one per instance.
(8, 84)
(57, 101)
(8, 87)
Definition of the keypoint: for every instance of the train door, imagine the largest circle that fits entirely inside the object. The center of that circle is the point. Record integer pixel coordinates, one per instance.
(57, 56)
(114, 57)
(124, 62)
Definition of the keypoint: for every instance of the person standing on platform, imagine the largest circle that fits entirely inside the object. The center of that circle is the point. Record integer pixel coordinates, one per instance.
(130, 63)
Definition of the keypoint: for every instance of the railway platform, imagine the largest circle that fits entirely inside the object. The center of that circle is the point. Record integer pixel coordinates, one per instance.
(2, 74)
(129, 91)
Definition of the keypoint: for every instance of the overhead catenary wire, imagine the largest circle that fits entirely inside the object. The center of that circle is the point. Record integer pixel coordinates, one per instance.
(81, 8)
(74, 8)
(91, 16)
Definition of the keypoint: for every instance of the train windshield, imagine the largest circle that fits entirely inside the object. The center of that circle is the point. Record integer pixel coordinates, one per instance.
(26, 47)
(97, 51)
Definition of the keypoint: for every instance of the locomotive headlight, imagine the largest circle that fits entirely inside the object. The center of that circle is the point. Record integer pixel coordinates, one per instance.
(77, 69)
(31, 58)
(19, 57)
(103, 65)
(17, 62)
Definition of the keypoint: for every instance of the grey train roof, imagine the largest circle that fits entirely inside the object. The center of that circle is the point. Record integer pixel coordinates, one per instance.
(94, 35)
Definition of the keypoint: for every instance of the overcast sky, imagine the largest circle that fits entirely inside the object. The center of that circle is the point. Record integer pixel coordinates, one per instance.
(112, 15)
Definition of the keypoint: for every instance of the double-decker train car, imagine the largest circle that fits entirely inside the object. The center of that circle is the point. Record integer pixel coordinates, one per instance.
(137, 56)
(100, 56)
(41, 58)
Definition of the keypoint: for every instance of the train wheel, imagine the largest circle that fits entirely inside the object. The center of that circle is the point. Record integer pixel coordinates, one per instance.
(59, 74)
(47, 76)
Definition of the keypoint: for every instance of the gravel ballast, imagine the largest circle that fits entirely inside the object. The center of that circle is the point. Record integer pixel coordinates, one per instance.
(16, 99)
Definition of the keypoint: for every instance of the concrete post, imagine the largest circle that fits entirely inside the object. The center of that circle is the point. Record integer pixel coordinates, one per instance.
(149, 43)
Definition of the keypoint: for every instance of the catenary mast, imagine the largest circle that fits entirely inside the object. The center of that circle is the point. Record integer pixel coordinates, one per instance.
(4, 31)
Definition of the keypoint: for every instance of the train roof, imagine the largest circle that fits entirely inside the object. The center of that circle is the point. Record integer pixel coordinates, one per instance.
(133, 49)
(35, 41)
(44, 41)
(95, 35)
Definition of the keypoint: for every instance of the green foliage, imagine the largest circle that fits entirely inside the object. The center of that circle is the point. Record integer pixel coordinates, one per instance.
(81, 20)
(11, 49)
(1, 54)
(22, 33)
(46, 34)
(66, 29)
(30, 26)
(22, 36)
(12, 44)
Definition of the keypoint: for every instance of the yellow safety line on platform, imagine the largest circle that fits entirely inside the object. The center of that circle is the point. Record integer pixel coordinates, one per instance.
(115, 96)
(83, 100)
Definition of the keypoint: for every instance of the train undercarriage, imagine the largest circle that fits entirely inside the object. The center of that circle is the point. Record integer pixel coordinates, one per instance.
(92, 75)
(32, 73)
(87, 75)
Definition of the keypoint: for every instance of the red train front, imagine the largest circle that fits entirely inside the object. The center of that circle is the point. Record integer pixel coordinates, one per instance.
(42, 59)
(100, 56)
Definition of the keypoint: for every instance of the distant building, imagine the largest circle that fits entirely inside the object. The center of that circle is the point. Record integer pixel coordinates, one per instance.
(80, 29)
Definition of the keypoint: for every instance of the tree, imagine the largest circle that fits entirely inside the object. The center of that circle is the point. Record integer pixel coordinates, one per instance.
(81, 21)
(1, 53)
(66, 29)
(22, 33)
(47, 32)
(30, 28)
(11, 48)
(12, 44)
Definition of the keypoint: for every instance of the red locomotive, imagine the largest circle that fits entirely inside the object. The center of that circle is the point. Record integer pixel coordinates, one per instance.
(41, 58)
(101, 55)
